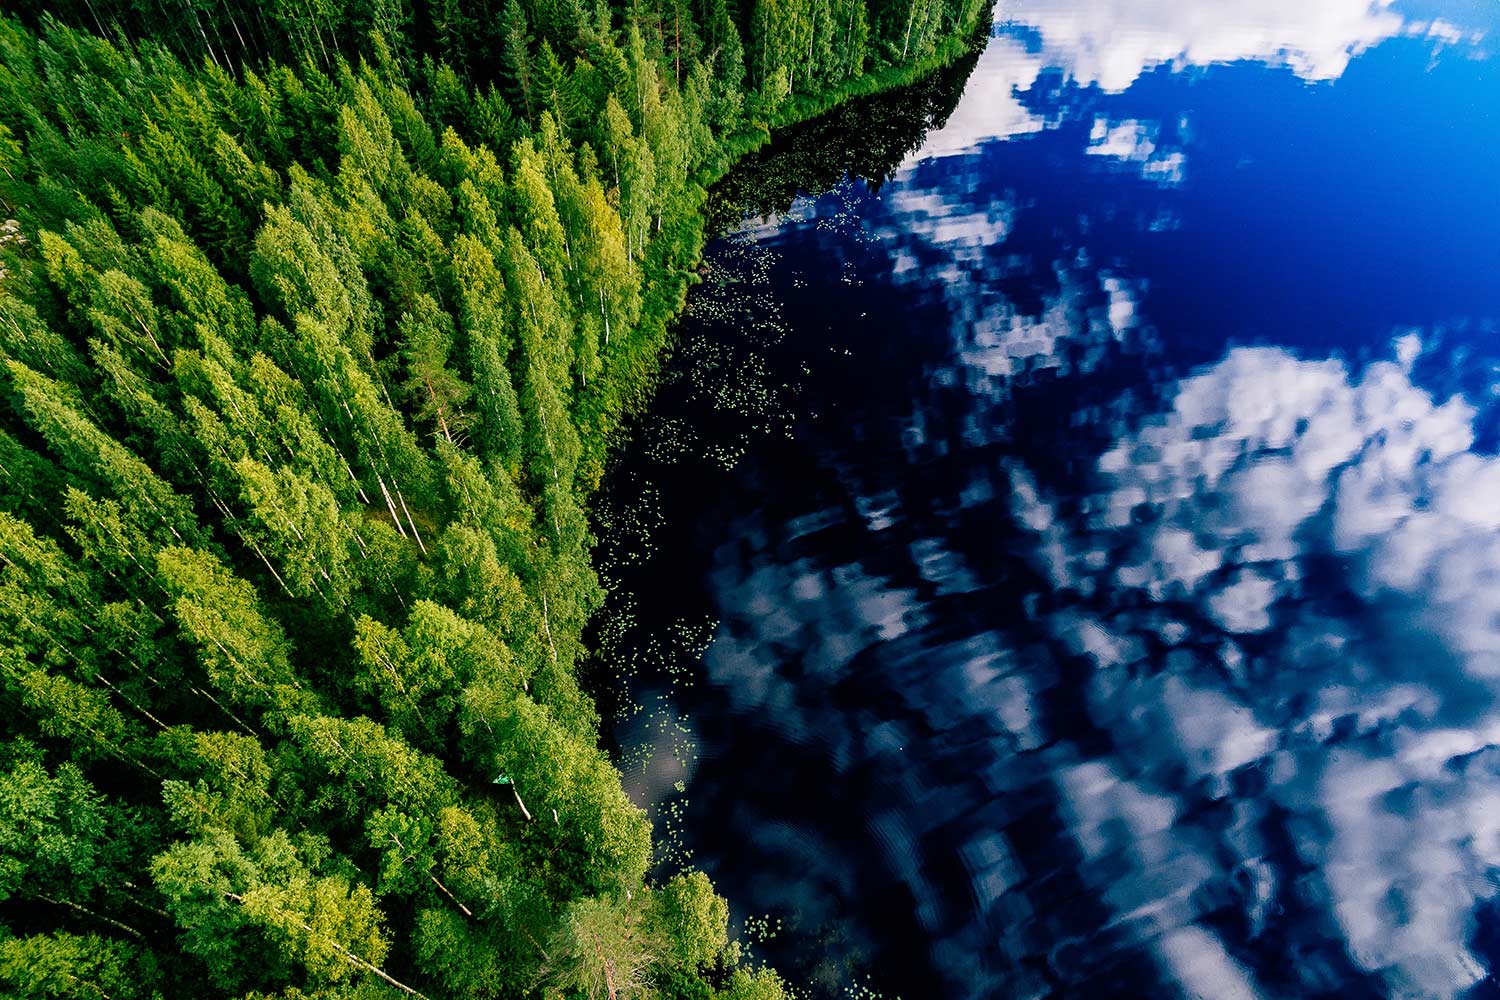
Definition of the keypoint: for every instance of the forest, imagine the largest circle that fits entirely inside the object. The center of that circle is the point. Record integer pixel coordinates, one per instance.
(319, 320)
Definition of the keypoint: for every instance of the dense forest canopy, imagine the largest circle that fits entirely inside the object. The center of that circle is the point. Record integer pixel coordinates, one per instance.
(318, 318)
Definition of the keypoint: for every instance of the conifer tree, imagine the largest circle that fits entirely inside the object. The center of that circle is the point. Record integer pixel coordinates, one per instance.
(519, 72)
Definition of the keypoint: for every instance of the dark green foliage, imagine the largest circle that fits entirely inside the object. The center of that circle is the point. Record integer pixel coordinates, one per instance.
(815, 156)
(314, 340)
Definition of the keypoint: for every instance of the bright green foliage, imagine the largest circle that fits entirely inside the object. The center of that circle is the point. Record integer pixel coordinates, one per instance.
(762, 984)
(419, 673)
(247, 912)
(687, 913)
(66, 966)
(313, 339)
(244, 654)
(436, 393)
(226, 782)
(90, 454)
(50, 833)
(294, 524)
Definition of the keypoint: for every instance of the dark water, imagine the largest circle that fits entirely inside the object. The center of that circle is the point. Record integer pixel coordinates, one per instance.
(1064, 559)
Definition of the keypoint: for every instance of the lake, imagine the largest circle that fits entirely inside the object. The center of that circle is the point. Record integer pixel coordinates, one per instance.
(1063, 557)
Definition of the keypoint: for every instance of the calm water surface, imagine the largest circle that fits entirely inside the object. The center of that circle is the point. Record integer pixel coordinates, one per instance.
(1064, 558)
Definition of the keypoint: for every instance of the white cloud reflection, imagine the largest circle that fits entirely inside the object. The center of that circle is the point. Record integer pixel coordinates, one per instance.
(1370, 704)
(1136, 143)
(950, 245)
(991, 107)
(1111, 43)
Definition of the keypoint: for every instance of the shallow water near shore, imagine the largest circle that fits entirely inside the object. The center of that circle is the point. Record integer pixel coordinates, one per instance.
(1063, 558)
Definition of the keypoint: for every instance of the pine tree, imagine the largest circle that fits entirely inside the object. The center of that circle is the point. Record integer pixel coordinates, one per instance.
(552, 84)
(517, 65)
(600, 950)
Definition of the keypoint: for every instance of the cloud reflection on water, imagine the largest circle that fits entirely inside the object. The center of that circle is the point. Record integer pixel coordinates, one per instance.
(1367, 705)
(1194, 693)
(1282, 579)
(1285, 577)
(1110, 44)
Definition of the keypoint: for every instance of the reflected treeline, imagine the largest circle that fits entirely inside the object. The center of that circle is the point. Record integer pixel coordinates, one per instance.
(867, 139)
